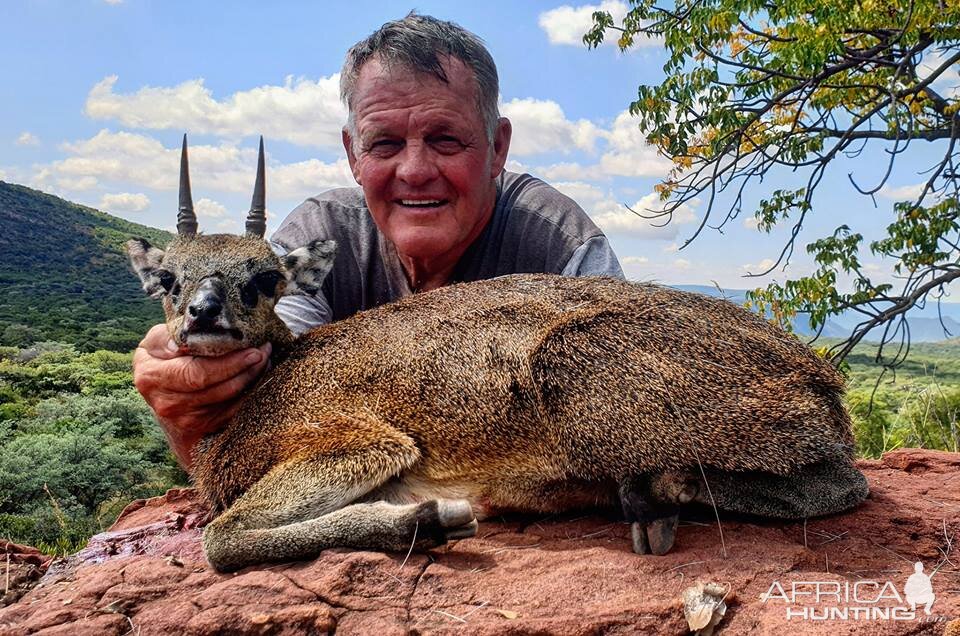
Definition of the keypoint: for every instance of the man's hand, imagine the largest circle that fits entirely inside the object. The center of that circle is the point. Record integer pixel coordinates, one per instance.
(192, 396)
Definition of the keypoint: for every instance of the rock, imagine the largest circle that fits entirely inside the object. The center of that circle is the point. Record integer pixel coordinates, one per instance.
(556, 575)
(20, 567)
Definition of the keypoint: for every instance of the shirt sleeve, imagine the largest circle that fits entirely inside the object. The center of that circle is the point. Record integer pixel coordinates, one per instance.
(594, 258)
(303, 313)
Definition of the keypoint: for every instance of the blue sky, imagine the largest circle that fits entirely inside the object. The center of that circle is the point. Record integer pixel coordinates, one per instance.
(96, 95)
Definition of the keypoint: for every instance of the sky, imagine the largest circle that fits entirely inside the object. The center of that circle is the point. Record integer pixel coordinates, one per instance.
(97, 93)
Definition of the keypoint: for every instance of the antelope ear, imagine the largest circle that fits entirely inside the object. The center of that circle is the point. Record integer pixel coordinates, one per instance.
(306, 267)
(146, 260)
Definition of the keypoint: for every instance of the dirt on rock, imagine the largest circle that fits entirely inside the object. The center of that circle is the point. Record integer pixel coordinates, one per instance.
(845, 574)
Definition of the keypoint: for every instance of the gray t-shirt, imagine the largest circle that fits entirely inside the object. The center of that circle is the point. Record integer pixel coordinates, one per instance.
(534, 228)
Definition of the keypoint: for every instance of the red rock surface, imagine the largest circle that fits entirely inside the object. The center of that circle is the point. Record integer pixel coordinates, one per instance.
(21, 567)
(570, 575)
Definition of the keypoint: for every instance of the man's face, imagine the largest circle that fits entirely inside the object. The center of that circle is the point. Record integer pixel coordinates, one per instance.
(422, 156)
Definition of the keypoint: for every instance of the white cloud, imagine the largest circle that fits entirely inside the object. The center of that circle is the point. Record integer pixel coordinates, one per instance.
(629, 154)
(616, 218)
(213, 215)
(541, 126)
(567, 25)
(124, 202)
(751, 223)
(948, 82)
(133, 159)
(27, 138)
(626, 152)
(668, 272)
(78, 184)
(114, 2)
(301, 111)
(306, 178)
(587, 195)
(759, 268)
(513, 165)
(902, 193)
(568, 171)
(209, 209)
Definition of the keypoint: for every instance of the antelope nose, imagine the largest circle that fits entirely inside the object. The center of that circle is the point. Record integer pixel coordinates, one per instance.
(206, 308)
(207, 302)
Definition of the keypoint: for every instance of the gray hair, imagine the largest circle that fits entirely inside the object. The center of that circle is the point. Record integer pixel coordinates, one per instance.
(419, 43)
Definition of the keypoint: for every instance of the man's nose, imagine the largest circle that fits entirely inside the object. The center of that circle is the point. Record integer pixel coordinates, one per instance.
(417, 165)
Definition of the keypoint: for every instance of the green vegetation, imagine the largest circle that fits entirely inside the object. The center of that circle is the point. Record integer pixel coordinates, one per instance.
(77, 443)
(64, 275)
(917, 405)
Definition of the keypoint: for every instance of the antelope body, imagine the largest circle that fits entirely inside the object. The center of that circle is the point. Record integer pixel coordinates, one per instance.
(403, 424)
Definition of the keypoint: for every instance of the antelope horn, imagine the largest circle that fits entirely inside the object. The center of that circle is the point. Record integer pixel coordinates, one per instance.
(186, 219)
(257, 218)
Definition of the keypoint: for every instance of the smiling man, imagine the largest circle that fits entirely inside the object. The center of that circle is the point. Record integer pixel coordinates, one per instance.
(427, 147)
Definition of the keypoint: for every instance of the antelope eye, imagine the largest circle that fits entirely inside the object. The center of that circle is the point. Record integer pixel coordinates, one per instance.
(263, 283)
(167, 280)
(266, 282)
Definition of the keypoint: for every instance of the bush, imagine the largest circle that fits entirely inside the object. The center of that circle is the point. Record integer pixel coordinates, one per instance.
(873, 415)
(77, 443)
(82, 467)
(922, 415)
(931, 418)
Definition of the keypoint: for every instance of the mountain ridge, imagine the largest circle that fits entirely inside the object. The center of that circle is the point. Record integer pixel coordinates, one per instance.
(64, 274)
(925, 322)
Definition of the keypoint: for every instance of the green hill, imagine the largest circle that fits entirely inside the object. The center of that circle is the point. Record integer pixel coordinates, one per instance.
(64, 275)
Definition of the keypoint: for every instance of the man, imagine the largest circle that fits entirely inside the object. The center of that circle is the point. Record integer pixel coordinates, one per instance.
(427, 146)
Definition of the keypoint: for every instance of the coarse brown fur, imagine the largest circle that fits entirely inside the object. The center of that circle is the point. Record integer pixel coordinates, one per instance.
(526, 392)
(538, 378)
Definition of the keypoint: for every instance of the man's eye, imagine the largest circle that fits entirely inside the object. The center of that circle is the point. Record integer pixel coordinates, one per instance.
(445, 144)
(385, 147)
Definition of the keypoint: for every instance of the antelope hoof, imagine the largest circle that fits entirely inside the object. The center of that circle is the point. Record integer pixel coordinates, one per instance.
(463, 532)
(457, 518)
(445, 520)
(656, 537)
(653, 528)
(661, 533)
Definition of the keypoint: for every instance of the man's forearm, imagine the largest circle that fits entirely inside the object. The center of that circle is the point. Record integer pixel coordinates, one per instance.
(181, 445)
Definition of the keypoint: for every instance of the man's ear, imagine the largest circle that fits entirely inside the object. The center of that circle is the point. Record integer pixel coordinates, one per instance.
(146, 260)
(306, 267)
(501, 146)
(351, 156)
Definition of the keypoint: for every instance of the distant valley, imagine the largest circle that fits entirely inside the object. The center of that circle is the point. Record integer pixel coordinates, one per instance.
(925, 323)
